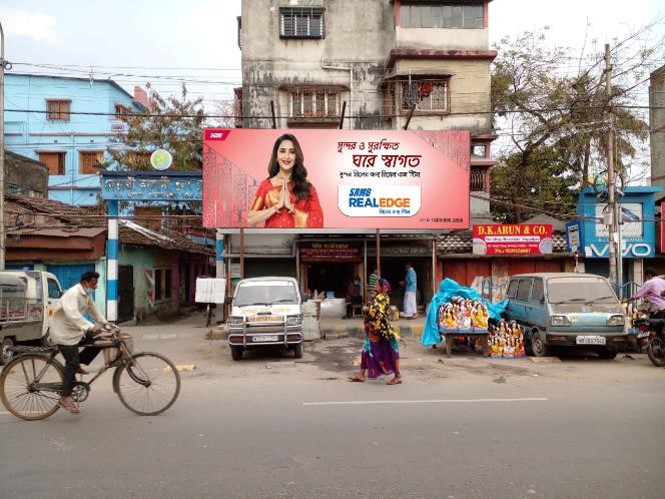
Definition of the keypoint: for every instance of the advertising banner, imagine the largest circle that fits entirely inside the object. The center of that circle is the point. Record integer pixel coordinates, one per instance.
(336, 179)
(511, 239)
(330, 252)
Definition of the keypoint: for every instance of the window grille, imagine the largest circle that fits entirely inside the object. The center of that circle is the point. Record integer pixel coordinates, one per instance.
(426, 95)
(448, 15)
(58, 110)
(305, 22)
(314, 103)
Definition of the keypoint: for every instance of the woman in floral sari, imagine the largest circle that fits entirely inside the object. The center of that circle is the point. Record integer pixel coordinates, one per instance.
(380, 354)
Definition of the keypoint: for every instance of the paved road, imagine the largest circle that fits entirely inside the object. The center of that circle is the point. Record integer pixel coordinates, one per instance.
(464, 427)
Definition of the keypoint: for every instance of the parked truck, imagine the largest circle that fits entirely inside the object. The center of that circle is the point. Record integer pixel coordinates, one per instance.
(27, 302)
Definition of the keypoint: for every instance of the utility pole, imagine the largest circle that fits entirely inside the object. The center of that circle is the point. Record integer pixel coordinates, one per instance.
(2, 148)
(611, 187)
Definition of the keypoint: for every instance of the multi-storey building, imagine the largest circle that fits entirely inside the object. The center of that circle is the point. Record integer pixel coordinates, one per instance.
(67, 124)
(380, 64)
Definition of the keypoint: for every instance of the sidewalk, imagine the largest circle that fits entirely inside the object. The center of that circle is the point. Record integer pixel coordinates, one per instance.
(338, 328)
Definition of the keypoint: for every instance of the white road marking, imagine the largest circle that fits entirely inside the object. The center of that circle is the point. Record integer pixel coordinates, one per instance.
(5, 412)
(159, 336)
(427, 401)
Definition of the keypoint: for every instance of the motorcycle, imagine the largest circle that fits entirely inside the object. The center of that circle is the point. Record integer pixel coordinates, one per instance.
(651, 337)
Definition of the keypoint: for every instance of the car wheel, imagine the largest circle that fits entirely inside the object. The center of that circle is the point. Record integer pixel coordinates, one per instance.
(538, 346)
(6, 354)
(607, 353)
(236, 352)
(297, 351)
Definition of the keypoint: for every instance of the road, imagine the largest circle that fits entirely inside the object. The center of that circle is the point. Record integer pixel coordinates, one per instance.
(269, 426)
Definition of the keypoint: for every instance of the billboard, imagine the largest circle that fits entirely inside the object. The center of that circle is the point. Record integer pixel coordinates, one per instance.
(354, 179)
(512, 239)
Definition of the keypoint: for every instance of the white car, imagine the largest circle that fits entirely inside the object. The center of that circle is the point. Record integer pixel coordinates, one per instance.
(265, 311)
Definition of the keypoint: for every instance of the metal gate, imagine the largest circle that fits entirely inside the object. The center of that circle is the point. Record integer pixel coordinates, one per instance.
(69, 275)
(125, 293)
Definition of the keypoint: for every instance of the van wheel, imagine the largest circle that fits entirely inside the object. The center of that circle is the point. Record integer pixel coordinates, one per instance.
(297, 351)
(538, 346)
(236, 352)
(6, 354)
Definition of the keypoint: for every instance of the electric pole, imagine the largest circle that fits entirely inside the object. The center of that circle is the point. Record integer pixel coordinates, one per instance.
(2, 148)
(611, 198)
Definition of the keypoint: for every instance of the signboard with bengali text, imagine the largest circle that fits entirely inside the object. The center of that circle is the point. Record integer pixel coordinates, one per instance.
(365, 179)
(512, 239)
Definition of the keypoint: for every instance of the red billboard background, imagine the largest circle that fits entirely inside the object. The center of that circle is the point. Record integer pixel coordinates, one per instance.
(364, 179)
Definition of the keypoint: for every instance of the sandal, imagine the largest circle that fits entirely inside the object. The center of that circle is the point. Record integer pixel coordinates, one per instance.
(356, 379)
(395, 381)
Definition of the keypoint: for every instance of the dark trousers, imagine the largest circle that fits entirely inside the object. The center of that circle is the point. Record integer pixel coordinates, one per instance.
(73, 359)
(356, 300)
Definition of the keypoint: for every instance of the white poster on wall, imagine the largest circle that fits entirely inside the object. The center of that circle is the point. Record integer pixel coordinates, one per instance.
(631, 214)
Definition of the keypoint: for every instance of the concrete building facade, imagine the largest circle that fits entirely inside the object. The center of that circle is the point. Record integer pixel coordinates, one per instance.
(657, 126)
(370, 65)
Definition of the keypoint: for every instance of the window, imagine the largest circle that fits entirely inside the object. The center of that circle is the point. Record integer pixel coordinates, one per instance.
(305, 22)
(54, 161)
(538, 291)
(121, 111)
(426, 95)
(58, 110)
(54, 290)
(523, 289)
(89, 161)
(478, 179)
(449, 15)
(479, 150)
(512, 289)
(162, 284)
(314, 103)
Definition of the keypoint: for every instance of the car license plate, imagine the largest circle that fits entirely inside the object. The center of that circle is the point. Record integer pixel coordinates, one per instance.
(643, 334)
(265, 338)
(590, 340)
(265, 318)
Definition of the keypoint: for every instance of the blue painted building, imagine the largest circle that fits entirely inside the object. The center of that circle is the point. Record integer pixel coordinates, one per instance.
(67, 124)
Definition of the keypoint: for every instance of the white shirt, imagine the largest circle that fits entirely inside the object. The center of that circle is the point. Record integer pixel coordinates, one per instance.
(69, 325)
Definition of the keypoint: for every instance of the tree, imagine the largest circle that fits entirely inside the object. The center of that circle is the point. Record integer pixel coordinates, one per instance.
(556, 119)
(173, 123)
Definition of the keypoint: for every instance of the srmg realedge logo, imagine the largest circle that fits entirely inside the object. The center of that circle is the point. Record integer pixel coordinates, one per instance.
(379, 201)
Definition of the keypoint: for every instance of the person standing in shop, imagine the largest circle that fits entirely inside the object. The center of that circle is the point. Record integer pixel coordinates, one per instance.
(411, 284)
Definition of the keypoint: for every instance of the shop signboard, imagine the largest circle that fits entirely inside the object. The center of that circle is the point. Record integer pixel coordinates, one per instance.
(637, 230)
(573, 236)
(512, 239)
(361, 179)
(330, 252)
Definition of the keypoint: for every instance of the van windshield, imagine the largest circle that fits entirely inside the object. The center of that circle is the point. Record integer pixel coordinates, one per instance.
(265, 293)
(579, 290)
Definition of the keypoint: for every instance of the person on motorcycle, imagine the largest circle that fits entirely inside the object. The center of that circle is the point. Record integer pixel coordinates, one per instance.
(652, 290)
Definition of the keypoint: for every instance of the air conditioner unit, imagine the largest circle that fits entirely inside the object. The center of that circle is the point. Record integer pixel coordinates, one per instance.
(119, 126)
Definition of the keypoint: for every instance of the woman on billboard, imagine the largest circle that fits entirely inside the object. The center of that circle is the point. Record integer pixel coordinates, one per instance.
(286, 198)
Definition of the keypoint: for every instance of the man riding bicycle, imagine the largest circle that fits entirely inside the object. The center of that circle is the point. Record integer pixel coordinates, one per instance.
(70, 330)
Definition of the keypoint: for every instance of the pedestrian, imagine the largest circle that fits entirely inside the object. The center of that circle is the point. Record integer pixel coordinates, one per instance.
(373, 279)
(380, 353)
(411, 283)
(70, 330)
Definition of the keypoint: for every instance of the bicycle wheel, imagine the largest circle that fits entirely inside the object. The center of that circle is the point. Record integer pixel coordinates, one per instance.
(22, 395)
(149, 385)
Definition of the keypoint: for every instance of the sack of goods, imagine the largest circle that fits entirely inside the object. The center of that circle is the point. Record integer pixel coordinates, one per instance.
(461, 315)
(506, 340)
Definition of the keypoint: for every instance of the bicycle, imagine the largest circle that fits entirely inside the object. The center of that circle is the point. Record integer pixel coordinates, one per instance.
(147, 383)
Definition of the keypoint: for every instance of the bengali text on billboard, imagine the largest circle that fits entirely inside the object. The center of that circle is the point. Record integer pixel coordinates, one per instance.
(354, 179)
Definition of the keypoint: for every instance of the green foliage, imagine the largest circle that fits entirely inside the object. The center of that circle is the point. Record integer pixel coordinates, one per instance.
(557, 122)
(174, 123)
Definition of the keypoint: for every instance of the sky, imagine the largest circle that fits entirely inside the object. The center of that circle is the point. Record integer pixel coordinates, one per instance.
(160, 42)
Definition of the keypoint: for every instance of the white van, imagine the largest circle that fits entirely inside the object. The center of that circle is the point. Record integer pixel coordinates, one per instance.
(265, 311)
(27, 302)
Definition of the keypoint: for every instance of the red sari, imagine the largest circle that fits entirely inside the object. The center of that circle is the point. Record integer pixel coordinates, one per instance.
(308, 211)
